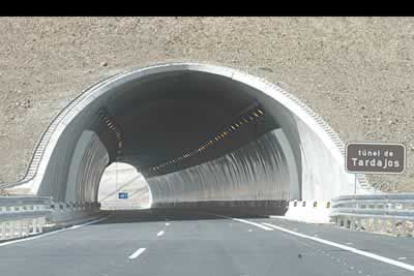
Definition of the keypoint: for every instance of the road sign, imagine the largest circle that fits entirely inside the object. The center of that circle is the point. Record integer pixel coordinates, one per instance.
(375, 158)
(123, 195)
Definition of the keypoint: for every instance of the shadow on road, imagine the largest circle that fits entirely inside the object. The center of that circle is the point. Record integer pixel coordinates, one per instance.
(154, 215)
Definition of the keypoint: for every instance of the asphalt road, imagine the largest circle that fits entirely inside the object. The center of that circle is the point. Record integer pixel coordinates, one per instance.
(183, 243)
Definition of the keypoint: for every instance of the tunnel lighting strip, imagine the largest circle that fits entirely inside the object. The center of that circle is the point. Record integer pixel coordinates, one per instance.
(249, 117)
(114, 128)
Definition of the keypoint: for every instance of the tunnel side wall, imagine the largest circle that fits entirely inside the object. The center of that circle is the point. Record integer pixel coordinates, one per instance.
(317, 149)
(323, 177)
(52, 178)
(77, 161)
(258, 171)
(88, 162)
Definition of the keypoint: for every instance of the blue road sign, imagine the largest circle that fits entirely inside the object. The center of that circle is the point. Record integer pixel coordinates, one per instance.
(123, 195)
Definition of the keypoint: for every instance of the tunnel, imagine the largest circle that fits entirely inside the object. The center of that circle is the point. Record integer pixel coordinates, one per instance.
(200, 134)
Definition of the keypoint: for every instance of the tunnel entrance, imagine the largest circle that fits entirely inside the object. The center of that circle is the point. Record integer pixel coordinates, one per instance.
(199, 134)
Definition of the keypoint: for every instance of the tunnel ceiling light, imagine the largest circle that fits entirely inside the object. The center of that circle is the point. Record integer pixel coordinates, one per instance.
(113, 127)
(244, 119)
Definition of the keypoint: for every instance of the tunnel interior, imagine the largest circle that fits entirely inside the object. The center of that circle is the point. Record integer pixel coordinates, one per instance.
(199, 134)
(176, 113)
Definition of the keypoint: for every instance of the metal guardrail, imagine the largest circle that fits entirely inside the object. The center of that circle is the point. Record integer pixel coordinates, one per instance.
(23, 216)
(381, 213)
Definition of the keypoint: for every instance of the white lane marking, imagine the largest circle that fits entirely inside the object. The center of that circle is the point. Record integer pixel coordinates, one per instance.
(348, 248)
(248, 222)
(250, 230)
(52, 232)
(160, 233)
(167, 224)
(88, 223)
(137, 253)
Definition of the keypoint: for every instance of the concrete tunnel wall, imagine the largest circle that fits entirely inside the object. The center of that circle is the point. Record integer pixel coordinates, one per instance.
(300, 159)
(255, 172)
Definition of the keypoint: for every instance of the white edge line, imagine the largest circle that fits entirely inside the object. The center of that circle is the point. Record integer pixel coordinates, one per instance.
(88, 223)
(248, 222)
(137, 253)
(160, 233)
(348, 248)
(51, 232)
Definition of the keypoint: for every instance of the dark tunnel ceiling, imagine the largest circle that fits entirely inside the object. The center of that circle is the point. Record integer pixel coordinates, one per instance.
(170, 114)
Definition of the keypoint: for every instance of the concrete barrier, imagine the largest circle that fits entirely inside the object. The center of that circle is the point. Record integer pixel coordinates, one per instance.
(309, 211)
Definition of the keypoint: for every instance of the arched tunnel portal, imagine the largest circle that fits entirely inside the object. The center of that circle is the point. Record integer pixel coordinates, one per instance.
(200, 134)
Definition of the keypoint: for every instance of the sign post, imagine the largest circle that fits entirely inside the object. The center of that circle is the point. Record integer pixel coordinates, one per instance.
(375, 158)
(355, 183)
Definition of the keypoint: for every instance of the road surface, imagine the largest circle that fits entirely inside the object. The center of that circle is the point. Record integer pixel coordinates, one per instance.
(198, 243)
